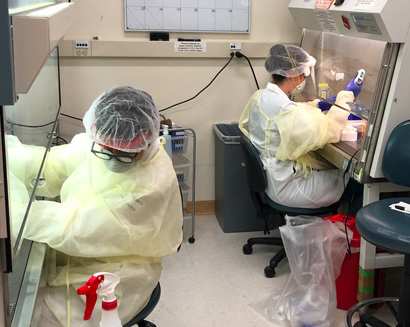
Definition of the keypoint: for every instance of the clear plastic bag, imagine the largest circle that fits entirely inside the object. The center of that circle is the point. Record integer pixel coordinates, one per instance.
(315, 250)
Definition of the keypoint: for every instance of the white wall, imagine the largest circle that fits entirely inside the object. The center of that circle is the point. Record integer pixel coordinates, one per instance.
(171, 79)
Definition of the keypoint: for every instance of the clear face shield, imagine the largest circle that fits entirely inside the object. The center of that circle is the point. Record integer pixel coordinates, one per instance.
(309, 73)
(307, 69)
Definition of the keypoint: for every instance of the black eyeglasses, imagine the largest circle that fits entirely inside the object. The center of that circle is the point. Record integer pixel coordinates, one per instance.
(109, 155)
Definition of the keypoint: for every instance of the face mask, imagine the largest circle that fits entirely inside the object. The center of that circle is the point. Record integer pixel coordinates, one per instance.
(299, 88)
(119, 167)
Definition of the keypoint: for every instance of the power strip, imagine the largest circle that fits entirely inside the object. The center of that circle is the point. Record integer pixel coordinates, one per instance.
(82, 48)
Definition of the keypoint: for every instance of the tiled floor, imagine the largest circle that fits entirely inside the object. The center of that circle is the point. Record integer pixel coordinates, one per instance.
(210, 283)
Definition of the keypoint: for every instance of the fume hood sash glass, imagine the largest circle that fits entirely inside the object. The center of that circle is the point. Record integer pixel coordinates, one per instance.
(17, 6)
(31, 125)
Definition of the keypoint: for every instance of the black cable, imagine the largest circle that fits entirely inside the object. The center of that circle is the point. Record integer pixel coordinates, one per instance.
(177, 104)
(72, 117)
(44, 125)
(29, 126)
(349, 201)
(240, 55)
(60, 138)
(253, 73)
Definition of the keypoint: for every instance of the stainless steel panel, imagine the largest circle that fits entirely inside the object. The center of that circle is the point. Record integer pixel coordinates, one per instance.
(6, 67)
(384, 20)
(4, 215)
(376, 115)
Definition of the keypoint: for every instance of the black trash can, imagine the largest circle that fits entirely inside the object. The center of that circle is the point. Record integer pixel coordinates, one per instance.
(234, 209)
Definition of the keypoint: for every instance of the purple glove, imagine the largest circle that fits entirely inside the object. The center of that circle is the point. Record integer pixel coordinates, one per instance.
(324, 106)
(355, 88)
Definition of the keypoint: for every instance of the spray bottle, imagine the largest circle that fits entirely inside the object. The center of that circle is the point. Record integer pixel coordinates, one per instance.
(168, 141)
(102, 284)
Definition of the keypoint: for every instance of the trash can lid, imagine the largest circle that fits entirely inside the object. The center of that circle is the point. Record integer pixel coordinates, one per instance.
(228, 133)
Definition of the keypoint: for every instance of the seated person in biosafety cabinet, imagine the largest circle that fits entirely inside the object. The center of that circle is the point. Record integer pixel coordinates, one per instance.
(286, 133)
(120, 210)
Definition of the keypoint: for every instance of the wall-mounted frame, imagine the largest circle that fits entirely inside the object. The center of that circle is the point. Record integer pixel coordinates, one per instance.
(206, 16)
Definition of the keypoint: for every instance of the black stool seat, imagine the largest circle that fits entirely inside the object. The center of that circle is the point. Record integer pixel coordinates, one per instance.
(382, 226)
(290, 211)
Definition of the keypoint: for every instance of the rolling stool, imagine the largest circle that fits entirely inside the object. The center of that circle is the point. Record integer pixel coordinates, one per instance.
(152, 302)
(378, 224)
(265, 207)
(389, 229)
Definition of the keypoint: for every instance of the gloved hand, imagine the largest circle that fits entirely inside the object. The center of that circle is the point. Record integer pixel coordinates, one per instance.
(343, 98)
(352, 86)
(325, 106)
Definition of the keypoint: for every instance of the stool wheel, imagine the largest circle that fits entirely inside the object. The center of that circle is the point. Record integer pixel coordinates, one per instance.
(145, 323)
(191, 240)
(247, 249)
(369, 320)
(270, 272)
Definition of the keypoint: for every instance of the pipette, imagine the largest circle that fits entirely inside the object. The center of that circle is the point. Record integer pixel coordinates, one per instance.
(351, 105)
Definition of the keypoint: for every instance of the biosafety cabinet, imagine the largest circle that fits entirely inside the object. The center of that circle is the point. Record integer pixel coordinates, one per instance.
(30, 32)
(345, 37)
(357, 34)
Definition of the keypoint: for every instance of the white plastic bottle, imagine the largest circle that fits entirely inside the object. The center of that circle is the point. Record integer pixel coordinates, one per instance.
(168, 140)
(102, 284)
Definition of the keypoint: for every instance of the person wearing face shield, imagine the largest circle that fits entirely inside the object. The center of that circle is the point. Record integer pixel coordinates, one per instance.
(286, 132)
(120, 210)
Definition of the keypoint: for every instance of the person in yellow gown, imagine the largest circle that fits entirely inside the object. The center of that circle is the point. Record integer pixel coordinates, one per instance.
(120, 210)
(286, 133)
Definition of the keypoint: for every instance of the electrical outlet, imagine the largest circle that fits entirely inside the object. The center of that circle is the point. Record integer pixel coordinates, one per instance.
(235, 46)
(81, 52)
(82, 48)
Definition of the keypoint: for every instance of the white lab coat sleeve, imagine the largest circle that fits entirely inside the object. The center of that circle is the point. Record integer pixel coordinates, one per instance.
(116, 221)
(305, 128)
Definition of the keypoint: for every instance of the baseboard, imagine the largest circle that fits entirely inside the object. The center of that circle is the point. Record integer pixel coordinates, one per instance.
(201, 208)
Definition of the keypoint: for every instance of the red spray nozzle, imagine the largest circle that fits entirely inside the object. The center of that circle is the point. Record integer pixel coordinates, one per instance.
(90, 291)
